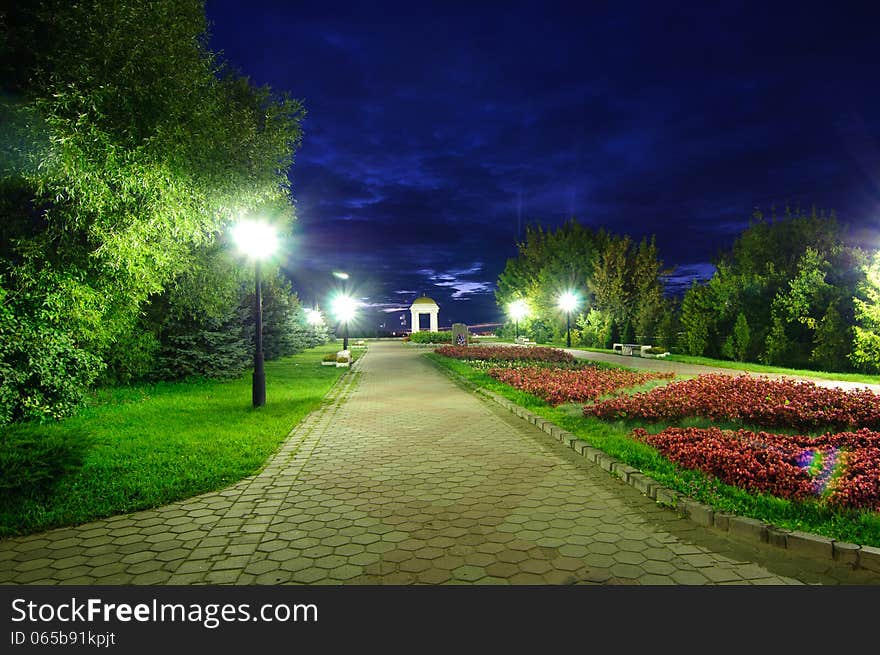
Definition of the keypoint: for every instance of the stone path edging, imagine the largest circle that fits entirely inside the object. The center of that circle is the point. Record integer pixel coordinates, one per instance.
(801, 543)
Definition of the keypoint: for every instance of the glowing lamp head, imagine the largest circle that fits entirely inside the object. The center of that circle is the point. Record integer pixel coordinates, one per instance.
(256, 239)
(313, 316)
(344, 308)
(518, 310)
(568, 301)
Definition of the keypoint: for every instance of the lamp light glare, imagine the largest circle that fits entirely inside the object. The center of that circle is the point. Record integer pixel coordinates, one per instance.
(313, 316)
(518, 310)
(256, 239)
(344, 308)
(568, 301)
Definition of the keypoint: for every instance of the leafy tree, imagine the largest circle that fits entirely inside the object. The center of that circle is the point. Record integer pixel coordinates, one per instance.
(125, 147)
(783, 275)
(866, 332)
(740, 339)
(696, 318)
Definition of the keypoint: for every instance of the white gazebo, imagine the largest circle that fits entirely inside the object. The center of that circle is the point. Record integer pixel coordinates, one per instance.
(424, 305)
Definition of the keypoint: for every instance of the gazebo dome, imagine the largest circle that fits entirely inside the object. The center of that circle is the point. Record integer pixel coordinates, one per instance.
(424, 300)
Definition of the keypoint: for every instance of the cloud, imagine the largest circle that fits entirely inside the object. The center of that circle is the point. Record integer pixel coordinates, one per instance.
(684, 275)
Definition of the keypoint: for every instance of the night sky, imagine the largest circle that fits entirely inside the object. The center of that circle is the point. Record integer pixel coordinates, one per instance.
(437, 131)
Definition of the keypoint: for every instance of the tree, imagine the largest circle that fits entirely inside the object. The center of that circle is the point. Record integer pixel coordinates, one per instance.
(866, 332)
(129, 146)
(696, 318)
(783, 275)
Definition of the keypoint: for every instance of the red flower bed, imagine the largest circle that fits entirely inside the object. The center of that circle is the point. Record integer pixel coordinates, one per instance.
(558, 386)
(842, 469)
(801, 405)
(504, 354)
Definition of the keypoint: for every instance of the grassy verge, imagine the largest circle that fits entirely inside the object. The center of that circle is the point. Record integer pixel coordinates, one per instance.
(152, 444)
(613, 438)
(762, 368)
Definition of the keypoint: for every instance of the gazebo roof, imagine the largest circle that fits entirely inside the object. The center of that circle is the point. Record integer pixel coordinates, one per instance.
(424, 301)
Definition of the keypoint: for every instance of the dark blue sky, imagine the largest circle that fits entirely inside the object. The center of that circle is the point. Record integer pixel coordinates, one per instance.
(437, 130)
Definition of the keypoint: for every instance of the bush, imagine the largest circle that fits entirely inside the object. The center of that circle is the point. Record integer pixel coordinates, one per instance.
(33, 459)
(329, 357)
(44, 374)
(431, 337)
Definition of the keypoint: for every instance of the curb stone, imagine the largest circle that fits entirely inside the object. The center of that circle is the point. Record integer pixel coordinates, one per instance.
(804, 544)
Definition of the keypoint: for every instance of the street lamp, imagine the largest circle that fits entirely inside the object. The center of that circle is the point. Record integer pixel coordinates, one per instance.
(344, 308)
(568, 301)
(518, 309)
(258, 241)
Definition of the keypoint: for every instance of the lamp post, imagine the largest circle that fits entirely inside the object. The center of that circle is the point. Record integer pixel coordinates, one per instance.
(344, 308)
(258, 241)
(518, 309)
(567, 303)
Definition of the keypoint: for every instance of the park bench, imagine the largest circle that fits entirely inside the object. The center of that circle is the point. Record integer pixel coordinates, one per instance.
(630, 349)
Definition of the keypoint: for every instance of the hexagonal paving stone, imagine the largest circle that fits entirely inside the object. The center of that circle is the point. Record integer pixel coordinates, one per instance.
(536, 566)
(469, 573)
(308, 576)
(572, 550)
(502, 570)
(626, 557)
(345, 572)
(511, 556)
(689, 578)
(415, 565)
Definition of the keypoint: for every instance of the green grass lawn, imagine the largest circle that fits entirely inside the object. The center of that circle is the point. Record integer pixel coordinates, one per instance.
(762, 368)
(613, 438)
(150, 444)
(741, 366)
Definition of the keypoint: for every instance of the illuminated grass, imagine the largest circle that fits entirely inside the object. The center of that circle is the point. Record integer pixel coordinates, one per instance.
(152, 444)
(612, 437)
(762, 368)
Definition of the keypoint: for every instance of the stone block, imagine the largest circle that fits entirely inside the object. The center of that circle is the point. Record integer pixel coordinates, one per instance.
(593, 454)
(572, 442)
(747, 528)
(869, 558)
(605, 462)
(623, 470)
(846, 553)
(642, 482)
(810, 545)
(665, 496)
(778, 537)
(721, 520)
(699, 513)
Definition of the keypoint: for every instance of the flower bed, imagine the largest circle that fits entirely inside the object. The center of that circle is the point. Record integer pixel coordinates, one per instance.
(505, 354)
(780, 403)
(558, 386)
(842, 470)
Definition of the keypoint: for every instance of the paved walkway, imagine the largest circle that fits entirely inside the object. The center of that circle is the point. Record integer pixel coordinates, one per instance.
(681, 368)
(404, 477)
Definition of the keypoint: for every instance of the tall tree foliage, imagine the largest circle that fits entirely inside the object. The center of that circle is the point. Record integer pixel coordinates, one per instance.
(788, 285)
(866, 333)
(619, 284)
(126, 147)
